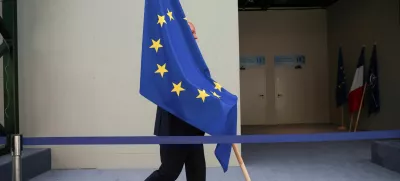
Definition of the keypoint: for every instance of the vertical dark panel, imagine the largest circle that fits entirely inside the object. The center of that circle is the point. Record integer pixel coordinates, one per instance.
(10, 67)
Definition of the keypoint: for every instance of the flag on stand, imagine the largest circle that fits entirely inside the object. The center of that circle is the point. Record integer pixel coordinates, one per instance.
(175, 76)
(341, 88)
(373, 84)
(357, 87)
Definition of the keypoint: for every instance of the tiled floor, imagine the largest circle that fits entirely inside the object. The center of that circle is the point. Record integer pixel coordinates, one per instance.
(327, 161)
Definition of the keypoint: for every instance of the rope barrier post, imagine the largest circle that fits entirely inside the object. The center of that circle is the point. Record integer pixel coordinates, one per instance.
(16, 153)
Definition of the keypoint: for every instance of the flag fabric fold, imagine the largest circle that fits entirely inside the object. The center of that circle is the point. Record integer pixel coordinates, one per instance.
(341, 88)
(357, 87)
(175, 76)
(373, 85)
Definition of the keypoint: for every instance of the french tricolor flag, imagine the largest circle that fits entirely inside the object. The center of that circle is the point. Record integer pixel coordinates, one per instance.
(357, 87)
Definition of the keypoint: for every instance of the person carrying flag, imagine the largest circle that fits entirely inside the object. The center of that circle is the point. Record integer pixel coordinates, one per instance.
(175, 77)
(174, 157)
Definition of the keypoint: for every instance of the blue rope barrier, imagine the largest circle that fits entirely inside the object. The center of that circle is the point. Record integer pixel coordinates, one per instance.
(276, 138)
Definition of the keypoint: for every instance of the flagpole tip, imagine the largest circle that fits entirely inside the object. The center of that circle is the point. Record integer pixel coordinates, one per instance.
(374, 43)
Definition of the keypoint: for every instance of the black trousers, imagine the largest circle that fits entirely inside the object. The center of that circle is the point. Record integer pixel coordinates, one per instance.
(174, 157)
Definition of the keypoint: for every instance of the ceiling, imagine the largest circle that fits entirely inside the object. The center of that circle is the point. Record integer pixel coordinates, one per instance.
(261, 5)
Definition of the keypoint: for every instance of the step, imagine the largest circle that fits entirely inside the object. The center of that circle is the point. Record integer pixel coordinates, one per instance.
(35, 161)
(386, 154)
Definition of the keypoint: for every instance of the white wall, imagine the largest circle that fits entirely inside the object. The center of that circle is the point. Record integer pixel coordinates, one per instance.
(353, 23)
(79, 74)
(283, 32)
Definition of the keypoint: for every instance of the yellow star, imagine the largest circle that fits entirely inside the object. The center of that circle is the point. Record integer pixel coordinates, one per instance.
(185, 18)
(177, 88)
(218, 86)
(161, 20)
(202, 95)
(161, 69)
(170, 15)
(216, 95)
(156, 44)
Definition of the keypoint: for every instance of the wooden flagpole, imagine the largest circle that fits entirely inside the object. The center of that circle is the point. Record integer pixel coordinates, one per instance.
(342, 127)
(359, 109)
(351, 121)
(241, 163)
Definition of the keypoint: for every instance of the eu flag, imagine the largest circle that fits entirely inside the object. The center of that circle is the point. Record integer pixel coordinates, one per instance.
(373, 84)
(341, 88)
(175, 76)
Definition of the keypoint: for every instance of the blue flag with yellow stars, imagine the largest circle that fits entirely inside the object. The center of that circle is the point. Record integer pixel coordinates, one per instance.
(175, 76)
(341, 88)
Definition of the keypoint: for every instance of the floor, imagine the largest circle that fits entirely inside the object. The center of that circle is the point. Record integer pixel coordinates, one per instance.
(290, 129)
(327, 161)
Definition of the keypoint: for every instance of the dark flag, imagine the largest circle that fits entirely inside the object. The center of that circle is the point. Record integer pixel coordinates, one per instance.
(175, 76)
(373, 84)
(341, 88)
